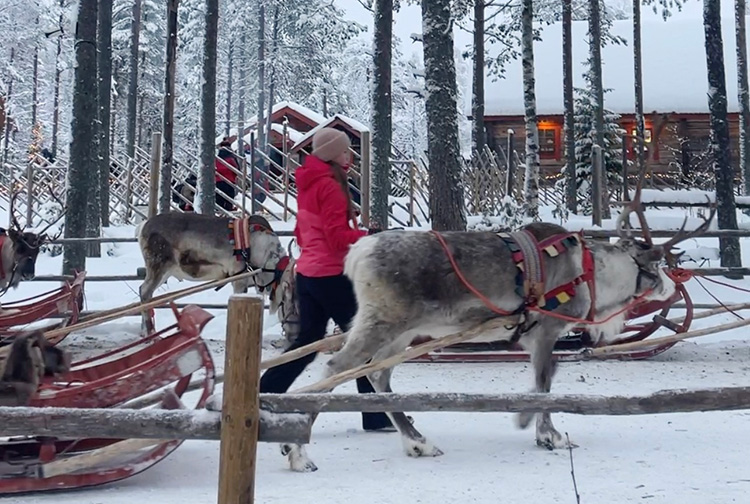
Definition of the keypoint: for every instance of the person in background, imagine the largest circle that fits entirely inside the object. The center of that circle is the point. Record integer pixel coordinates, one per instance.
(325, 229)
(226, 178)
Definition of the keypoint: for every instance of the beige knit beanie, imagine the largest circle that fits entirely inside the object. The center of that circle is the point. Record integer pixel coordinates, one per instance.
(329, 143)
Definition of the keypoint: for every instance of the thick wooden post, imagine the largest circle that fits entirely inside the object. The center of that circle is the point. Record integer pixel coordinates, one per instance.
(153, 188)
(510, 172)
(241, 404)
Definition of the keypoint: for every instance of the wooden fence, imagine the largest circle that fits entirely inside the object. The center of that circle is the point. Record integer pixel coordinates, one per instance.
(247, 417)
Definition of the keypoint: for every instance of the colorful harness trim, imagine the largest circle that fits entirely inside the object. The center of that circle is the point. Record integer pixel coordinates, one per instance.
(526, 253)
(239, 237)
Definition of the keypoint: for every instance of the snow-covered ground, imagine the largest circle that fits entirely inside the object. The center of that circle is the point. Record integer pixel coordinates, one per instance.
(688, 458)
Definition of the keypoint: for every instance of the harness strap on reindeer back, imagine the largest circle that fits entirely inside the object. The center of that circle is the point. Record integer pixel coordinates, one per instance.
(526, 252)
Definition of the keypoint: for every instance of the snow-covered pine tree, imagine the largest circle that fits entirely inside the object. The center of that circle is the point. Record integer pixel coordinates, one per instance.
(585, 135)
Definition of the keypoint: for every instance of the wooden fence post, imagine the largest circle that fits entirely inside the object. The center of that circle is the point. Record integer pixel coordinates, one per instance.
(596, 185)
(625, 174)
(240, 409)
(364, 175)
(153, 187)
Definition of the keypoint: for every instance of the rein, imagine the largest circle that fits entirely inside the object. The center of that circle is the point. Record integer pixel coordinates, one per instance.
(489, 304)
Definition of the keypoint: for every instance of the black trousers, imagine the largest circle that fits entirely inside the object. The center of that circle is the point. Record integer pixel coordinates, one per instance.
(320, 299)
(228, 189)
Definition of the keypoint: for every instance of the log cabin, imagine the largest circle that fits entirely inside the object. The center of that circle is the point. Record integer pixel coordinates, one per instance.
(675, 93)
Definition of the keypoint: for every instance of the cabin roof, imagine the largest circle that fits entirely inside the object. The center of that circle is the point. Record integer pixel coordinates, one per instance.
(352, 125)
(674, 69)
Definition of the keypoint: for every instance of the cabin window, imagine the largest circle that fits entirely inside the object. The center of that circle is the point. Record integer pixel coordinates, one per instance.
(548, 140)
(648, 139)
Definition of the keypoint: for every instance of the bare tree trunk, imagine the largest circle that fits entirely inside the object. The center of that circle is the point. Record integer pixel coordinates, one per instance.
(165, 182)
(261, 141)
(230, 72)
(56, 92)
(113, 109)
(571, 192)
(640, 123)
(35, 88)
(382, 126)
(104, 67)
(740, 7)
(717, 104)
(83, 165)
(478, 140)
(447, 207)
(94, 203)
(531, 184)
(8, 96)
(135, 34)
(207, 183)
(272, 77)
(595, 46)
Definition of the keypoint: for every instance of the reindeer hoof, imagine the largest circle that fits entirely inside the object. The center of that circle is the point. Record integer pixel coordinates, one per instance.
(523, 420)
(552, 440)
(298, 459)
(421, 448)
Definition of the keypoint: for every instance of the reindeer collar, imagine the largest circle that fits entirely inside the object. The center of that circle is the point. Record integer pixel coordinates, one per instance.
(527, 254)
(239, 237)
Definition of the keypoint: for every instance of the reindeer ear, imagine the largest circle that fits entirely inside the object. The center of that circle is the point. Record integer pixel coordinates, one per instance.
(13, 234)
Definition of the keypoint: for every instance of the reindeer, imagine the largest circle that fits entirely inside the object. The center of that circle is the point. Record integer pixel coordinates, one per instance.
(18, 252)
(25, 363)
(413, 283)
(198, 247)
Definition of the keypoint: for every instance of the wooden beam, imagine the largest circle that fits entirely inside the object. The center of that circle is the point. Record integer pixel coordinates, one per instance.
(120, 423)
(664, 401)
(240, 414)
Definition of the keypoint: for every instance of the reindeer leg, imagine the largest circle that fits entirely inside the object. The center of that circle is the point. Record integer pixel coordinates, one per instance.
(415, 444)
(540, 341)
(362, 345)
(152, 281)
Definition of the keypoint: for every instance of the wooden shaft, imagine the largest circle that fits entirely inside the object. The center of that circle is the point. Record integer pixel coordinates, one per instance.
(664, 401)
(651, 342)
(240, 415)
(412, 353)
(138, 307)
(153, 188)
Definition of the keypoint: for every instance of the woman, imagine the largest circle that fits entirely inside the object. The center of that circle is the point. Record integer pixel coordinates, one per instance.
(324, 232)
(226, 177)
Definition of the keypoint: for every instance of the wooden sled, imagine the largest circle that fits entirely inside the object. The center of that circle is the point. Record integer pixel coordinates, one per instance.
(66, 301)
(573, 347)
(169, 357)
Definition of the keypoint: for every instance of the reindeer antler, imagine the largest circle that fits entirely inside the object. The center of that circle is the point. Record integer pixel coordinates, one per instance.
(682, 236)
(12, 210)
(636, 206)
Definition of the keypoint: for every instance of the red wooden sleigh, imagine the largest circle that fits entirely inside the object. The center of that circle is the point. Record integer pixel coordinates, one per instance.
(168, 358)
(67, 301)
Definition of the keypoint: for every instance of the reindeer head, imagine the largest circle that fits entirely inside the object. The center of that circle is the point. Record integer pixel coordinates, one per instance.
(19, 259)
(632, 269)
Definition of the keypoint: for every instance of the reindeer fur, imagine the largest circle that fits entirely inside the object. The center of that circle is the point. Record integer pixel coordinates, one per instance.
(192, 246)
(26, 362)
(406, 287)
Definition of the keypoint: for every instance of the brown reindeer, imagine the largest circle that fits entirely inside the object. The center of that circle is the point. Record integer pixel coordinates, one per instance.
(199, 247)
(413, 283)
(18, 252)
(23, 365)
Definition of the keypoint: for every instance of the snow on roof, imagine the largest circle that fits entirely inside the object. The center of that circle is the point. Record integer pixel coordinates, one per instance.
(352, 123)
(293, 134)
(296, 107)
(674, 69)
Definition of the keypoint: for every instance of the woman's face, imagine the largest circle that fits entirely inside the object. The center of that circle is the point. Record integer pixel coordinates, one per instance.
(344, 159)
